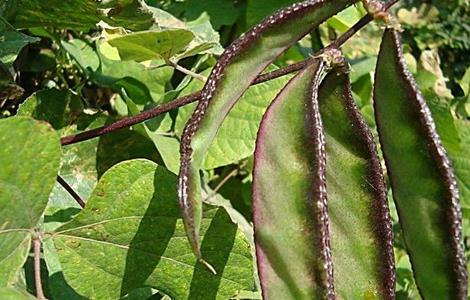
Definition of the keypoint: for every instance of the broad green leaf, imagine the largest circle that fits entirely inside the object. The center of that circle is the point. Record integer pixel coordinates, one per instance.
(29, 156)
(113, 69)
(361, 233)
(11, 293)
(130, 235)
(11, 264)
(83, 53)
(235, 139)
(289, 197)
(206, 39)
(80, 15)
(148, 45)
(12, 41)
(423, 184)
(59, 288)
(236, 69)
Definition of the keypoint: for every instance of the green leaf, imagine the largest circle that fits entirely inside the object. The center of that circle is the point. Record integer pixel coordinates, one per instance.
(423, 184)
(82, 53)
(113, 69)
(121, 145)
(29, 157)
(236, 69)
(361, 233)
(346, 19)
(12, 41)
(235, 139)
(221, 12)
(206, 39)
(257, 10)
(59, 288)
(10, 293)
(289, 201)
(80, 15)
(130, 235)
(11, 265)
(455, 135)
(148, 45)
(57, 107)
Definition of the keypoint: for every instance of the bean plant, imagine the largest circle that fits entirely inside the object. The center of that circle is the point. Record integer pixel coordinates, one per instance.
(150, 225)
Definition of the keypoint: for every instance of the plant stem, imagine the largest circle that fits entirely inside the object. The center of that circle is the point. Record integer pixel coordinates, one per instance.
(70, 190)
(186, 71)
(37, 266)
(149, 114)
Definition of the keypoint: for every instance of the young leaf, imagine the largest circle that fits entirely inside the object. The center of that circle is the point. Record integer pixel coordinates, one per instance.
(289, 194)
(360, 225)
(29, 160)
(422, 179)
(236, 69)
(130, 235)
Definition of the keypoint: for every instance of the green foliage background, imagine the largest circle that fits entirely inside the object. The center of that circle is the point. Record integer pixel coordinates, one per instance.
(80, 64)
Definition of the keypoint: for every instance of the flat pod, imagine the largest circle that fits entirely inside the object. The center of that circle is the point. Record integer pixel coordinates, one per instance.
(422, 179)
(238, 66)
(361, 233)
(289, 194)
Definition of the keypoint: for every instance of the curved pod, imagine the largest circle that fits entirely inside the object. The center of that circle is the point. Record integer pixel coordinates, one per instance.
(289, 194)
(422, 179)
(238, 66)
(361, 233)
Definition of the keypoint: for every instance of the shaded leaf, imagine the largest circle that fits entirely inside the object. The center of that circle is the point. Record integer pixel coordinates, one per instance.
(57, 107)
(221, 12)
(423, 184)
(12, 42)
(130, 235)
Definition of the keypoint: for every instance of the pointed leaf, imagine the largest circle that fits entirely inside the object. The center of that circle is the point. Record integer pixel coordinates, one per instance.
(360, 225)
(130, 235)
(291, 221)
(238, 66)
(422, 179)
(29, 160)
(148, 45)
(12, 42)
